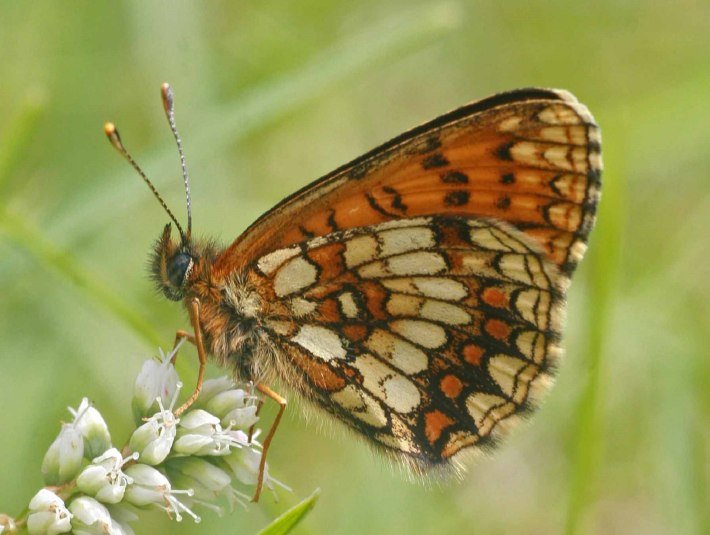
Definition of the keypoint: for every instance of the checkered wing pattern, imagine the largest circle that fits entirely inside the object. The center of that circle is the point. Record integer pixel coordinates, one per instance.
(417, 293)
(424, 334)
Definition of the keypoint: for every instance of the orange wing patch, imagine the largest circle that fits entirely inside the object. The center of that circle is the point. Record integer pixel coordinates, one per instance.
(530, 158)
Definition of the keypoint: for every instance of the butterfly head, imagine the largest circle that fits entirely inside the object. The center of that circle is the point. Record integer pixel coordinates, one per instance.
(171, 265)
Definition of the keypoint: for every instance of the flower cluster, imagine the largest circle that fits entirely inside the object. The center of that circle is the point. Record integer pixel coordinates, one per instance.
(201, 458)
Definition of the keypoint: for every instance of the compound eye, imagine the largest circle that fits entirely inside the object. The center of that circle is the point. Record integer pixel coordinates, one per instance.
(177, 269)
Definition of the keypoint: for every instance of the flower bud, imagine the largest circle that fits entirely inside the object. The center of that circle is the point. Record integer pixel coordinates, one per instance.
(154, 439)
(151, 487)
(209, 482)
(234, 407)
(210, 388)
(200, 475)
(63, 459)
(148, 485)
(104, 479)
(155, 380)
(93, 429)
(200, 433)
(244, 463)
(47, 514)
(90, 517)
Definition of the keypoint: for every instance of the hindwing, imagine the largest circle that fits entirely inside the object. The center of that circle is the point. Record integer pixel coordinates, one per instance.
(426, 334)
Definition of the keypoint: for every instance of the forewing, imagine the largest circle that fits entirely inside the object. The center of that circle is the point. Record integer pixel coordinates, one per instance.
(428, 335)
(529, 157)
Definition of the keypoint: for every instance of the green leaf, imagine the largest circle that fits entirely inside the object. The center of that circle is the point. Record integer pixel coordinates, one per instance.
(287, 521)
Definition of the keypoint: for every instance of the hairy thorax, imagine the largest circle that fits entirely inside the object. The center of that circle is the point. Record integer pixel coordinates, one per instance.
(231, 314)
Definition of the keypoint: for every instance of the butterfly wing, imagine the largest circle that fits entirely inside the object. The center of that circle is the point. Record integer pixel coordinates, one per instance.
(424, 334)
(530, 157)
(417, 292)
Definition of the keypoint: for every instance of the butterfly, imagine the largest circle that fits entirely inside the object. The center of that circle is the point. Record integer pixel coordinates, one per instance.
(417, 293)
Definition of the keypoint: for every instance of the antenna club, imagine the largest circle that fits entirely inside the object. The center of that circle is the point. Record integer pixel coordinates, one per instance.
(113, 137)
(166, 92)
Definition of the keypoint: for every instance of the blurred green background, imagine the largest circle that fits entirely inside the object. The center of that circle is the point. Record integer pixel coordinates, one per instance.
(272, 94)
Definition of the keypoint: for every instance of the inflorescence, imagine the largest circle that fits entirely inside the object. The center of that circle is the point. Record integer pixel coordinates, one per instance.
(207, 457)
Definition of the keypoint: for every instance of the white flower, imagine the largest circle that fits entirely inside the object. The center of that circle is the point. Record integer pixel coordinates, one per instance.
(48, 515)
(199, 474)
(104, 478)
(154, 439)
(234, 407)
(209, 481)
(244, 463)
(92, 427)
(86, 434)
(155, 380)
(63, 459)
(210, 388)
(90, 517)
(200, 433)
(151, 487)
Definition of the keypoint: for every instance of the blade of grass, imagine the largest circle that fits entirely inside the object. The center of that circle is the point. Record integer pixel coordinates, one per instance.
(290, 519)
(17, 134)
(651, 108)
(604, 269)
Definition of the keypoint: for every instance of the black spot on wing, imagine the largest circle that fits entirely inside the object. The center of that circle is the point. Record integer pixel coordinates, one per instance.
(456, 198)
(503, 202)
(435, 160)
(454, 177)
(503, 152)
(396, 198)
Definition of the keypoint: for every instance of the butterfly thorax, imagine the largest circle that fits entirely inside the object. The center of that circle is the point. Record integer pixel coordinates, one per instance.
(232, 311)
(231, 307)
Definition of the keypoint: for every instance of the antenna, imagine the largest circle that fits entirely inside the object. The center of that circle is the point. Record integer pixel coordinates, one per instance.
(115, 139)
(169, 105)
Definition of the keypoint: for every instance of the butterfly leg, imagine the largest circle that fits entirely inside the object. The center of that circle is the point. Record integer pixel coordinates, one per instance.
(181, 335)
(267, 441)
(196, 339)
